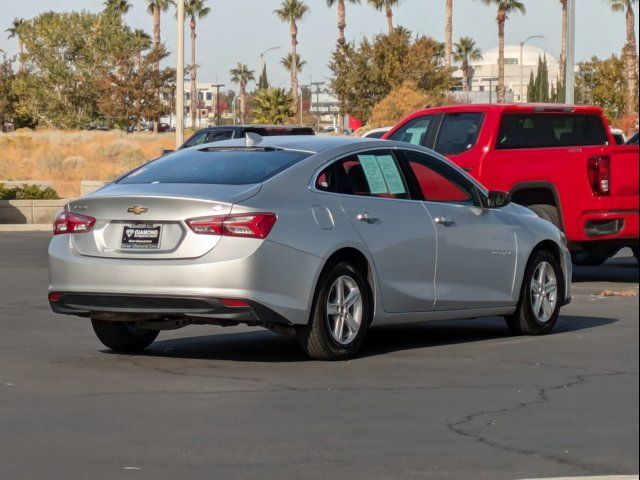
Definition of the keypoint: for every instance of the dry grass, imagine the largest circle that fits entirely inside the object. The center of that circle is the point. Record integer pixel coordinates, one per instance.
(66, 158)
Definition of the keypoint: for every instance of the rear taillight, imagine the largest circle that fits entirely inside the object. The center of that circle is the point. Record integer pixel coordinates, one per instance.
(599, 171)
(67, 222)
(251, 225)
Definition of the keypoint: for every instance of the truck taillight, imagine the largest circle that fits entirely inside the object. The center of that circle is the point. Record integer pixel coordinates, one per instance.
(67, 222)
(251, 225)
(599, 171)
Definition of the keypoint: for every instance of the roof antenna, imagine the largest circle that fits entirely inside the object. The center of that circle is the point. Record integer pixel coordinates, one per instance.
(252, 139)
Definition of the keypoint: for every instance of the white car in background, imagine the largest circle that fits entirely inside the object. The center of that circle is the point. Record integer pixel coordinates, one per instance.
(376, 132)
(619, 136)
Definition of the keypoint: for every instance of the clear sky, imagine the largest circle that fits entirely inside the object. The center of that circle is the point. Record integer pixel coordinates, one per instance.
(238, 30)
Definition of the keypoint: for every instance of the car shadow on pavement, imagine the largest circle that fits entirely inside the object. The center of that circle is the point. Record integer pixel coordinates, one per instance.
(264, 346)
(619, 269)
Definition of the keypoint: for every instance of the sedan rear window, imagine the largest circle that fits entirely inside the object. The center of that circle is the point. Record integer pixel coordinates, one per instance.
(221, 167)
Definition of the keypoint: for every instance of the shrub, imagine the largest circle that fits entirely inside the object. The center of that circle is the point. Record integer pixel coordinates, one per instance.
(27, 192)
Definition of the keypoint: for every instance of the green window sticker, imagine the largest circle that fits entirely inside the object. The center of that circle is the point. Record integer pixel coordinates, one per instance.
(391, 174)
(372, 172)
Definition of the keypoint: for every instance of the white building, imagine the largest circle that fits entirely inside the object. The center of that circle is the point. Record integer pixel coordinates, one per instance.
(484, 73)
(205, 105)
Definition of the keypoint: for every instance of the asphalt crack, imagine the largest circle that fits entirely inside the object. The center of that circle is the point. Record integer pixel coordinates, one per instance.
(543, 396)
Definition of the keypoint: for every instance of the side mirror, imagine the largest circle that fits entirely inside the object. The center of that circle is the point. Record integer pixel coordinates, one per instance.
(497, 199)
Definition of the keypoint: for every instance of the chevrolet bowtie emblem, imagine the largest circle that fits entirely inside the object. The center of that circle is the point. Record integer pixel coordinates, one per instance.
(136, 210)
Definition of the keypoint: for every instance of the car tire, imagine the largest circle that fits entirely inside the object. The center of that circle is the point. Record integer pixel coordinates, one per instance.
(538, 308)
(635, 253)
(123, 336)
(548, 213)
(337, 327)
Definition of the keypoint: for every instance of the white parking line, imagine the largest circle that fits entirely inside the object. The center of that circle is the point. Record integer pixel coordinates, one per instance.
(606, 477)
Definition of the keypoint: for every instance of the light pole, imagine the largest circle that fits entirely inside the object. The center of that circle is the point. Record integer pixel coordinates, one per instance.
(570, 73)
(180, 75)
(522, 44)
(262, 57)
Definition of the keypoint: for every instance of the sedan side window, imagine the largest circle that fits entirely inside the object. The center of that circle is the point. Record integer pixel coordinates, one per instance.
(415, 132)
(371, 174)
(436, 182)
(218, 136)
(198, 139)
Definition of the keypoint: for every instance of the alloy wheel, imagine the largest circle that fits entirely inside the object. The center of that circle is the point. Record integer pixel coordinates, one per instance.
(544, 292)
(344, 310)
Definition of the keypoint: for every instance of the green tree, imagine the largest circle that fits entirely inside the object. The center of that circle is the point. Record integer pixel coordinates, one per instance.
(242, 75)
(130, 91)
(68, 55)
(7, 98)
(531, 88)
(263, 80)
(630, 52)
(466, 51)
(342, 19)
(273, 106)
(291, 12)
(287, 63)
(16, 31)
(120, 7)
(387, 7)
(505, 7)
(194, 10)
(605, 82)
(366, 73)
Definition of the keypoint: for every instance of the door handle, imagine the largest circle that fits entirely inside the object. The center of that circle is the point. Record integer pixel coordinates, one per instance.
(364, 217)
(447, 222)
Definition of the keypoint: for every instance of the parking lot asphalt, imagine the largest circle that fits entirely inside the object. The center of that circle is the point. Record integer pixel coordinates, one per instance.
(451, 400)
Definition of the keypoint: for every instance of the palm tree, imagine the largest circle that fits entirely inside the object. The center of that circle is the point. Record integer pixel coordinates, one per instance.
(465, 51)
(194, 10)
(387, 7)
(121, 7)
(448, 32)
(342, 20)
(288, 61)
(242, 75)
(143, 42)
(504, 8)
(563, 50)
(626, 6)
(273, 106)
(15, 31)
(292, 11)
(155, 8)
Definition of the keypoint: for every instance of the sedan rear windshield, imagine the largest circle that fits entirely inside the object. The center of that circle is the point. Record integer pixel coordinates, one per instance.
(220, 167)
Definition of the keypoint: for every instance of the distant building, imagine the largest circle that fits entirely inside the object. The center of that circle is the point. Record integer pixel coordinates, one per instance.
(206, 105)
(484, 73)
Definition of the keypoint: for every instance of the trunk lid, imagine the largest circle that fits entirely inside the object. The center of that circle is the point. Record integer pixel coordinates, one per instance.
(147, 221)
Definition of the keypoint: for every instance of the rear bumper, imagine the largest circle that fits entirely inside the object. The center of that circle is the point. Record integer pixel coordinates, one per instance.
(619, 227)
(85, 304)
(263, 273)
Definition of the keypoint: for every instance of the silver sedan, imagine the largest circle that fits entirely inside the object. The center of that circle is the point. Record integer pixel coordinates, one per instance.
(316, 237)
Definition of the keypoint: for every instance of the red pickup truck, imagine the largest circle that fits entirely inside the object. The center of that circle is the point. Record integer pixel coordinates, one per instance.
(560, 161)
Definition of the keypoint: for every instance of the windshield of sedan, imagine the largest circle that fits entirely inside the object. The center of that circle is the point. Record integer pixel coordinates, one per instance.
(220, 167)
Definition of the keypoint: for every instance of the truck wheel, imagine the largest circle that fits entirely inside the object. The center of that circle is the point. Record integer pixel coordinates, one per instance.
(123, 336)
(635, 253)
(540, 296)
(548, 213)
(342, 310)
